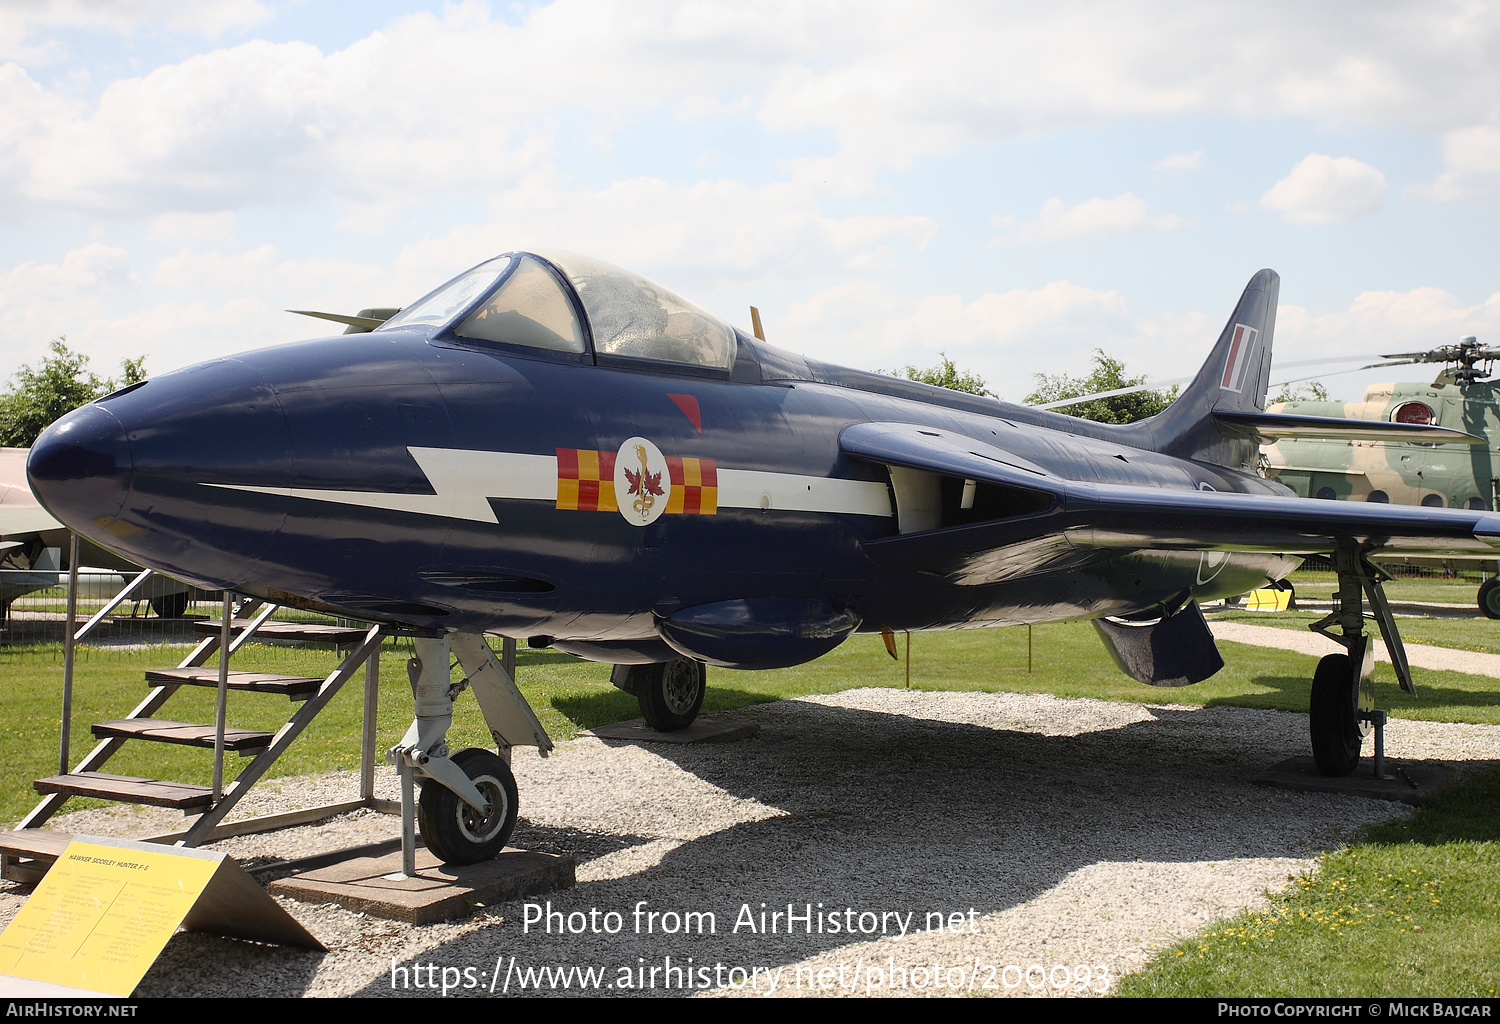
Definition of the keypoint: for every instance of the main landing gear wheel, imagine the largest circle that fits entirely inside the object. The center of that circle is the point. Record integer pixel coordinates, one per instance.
(453, 830)
(1335, 715)
(170, 606)
(1489, 597)
(671, 695)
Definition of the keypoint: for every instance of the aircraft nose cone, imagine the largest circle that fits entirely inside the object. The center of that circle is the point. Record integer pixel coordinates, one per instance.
(80, 468)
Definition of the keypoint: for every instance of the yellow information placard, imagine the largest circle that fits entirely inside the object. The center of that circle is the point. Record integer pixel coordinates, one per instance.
(102, 914)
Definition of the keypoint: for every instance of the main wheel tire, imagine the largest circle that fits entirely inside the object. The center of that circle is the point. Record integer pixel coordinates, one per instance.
(1291, 593)
(170, 606)
(453, 830)
(671, 695)
(1489, 597)
(1333, 716)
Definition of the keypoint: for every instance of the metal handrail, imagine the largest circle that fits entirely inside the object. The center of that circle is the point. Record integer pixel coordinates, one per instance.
(114, 603)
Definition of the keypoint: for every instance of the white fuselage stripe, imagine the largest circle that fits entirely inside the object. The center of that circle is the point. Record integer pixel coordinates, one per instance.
(465, 480)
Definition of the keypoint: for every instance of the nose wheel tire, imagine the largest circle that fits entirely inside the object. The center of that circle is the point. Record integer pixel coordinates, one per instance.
(671, 695)
(1334, 715)
(456, 832)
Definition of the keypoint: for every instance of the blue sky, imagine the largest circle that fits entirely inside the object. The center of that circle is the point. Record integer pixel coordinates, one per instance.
(1013, 184)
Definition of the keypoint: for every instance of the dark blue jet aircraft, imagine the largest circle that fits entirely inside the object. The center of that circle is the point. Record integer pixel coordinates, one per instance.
(551, 448)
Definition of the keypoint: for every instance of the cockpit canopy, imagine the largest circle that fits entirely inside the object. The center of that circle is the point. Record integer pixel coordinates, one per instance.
(535, 301)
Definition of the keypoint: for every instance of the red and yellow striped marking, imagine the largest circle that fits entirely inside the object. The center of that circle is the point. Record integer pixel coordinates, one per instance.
(695, 486)
(586, 480)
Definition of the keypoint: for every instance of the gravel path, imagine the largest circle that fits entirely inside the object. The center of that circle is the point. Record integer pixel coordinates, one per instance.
(1305, 641)
(1044, 831)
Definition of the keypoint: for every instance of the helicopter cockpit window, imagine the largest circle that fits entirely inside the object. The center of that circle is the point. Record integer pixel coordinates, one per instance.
(1413, 412)
(633, 317)
(448, 300)
(529, 309)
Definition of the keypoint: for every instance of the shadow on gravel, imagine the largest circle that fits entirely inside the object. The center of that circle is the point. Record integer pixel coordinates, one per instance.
(879, 813)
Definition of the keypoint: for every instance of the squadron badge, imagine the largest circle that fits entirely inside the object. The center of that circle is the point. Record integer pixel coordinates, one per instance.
(642, 484)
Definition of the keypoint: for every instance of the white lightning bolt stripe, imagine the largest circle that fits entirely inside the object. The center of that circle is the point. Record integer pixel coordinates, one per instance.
(465, 481)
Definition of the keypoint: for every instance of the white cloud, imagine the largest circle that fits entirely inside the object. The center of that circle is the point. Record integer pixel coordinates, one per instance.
(1325, 190)
(1389, 321)
(1092, 218)
(192, 227)
(430, 106)
(1472, 159)
(260, 271)
(1004, 336)
(21, 22)
(40, 301)
(1181, 162)
(93, 267)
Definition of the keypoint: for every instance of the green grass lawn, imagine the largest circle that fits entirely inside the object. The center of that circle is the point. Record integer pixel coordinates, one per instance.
(568, 695)
(1411, 910)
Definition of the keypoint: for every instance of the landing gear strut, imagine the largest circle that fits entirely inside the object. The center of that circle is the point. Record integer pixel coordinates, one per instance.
(468, 804)
(1342, 711)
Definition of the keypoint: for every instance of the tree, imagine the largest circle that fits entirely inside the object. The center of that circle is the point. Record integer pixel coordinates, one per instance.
(1314, 392)
(944, 375)
(35, 398)
(1108, 375)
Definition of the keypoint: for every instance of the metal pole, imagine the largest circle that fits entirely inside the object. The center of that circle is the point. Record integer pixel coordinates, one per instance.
(68, 641)
(367, 734)
(1028, 648)
(408, 823)
(908, 659)
(224, 628)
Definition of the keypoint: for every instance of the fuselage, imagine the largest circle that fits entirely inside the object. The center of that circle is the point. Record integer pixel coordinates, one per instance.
(551, 447)
(293, 473)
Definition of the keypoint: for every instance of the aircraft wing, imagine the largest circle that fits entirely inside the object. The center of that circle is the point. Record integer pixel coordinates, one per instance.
(1076, 516)
(22, 519)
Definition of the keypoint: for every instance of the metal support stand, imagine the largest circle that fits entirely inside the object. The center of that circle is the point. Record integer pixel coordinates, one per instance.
(408, 821)
(68, 642)
(221, 704)
(368, 730)
(1377, 718)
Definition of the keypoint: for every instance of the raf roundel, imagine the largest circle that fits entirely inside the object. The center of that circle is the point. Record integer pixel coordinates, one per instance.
(643, 485)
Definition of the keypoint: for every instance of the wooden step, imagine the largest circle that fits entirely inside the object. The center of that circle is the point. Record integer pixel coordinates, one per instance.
(30, 852)
(307, 632)
(128, 789)
(294, 687)
(162, 731)
(36, 843)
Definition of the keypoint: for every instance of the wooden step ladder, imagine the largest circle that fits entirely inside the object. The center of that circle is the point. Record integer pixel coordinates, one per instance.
(28, 850)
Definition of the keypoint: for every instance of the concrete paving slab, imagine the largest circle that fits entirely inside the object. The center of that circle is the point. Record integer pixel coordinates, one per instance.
(438, 892)
(1407, 782)
(702, 731)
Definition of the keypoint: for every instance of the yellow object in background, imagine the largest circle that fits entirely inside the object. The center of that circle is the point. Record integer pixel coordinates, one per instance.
(1268, 599)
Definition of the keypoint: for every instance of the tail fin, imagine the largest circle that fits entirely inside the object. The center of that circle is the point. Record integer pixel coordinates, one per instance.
(1232, 380)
